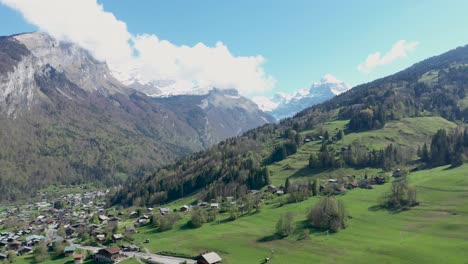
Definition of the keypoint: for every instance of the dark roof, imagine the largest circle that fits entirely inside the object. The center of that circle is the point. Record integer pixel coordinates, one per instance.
(111, 250)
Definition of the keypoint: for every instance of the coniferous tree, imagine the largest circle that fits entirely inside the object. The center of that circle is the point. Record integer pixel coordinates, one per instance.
(315, 188)
(287, 185)
(425, 153)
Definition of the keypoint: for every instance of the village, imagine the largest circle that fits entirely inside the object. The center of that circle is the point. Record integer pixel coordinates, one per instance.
(80, 226)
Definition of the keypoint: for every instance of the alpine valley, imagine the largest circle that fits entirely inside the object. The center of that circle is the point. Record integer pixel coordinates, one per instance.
(99, 165)
(65, 119)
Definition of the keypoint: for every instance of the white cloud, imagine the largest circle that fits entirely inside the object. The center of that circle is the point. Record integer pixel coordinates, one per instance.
(399, 50)
(86, 23)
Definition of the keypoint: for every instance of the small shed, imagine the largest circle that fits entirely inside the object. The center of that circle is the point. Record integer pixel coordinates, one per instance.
(209, 258)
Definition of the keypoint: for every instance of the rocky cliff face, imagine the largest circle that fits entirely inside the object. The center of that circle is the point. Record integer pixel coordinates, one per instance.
(65, 119)
(217, 115)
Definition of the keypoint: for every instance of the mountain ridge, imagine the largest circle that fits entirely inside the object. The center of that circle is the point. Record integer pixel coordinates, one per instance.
(283, 105)
(64, 119)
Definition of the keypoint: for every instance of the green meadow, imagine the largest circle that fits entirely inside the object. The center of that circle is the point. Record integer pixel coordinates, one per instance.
(436, 231)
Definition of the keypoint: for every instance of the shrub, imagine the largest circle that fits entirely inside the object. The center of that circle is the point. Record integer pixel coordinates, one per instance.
(401, 195)
(197, 219)
(329, 214)
(284, 226)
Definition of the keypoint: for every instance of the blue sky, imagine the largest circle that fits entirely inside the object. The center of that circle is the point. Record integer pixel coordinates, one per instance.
(300, 40)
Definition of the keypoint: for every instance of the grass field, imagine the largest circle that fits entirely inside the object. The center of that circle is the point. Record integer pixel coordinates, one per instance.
(441, 221)
(434, 232)
(408, 132)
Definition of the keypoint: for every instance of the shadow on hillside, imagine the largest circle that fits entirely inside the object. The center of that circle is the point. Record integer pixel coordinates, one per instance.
(306, 171)
(379, 207)
(269, 238)
(451, 167)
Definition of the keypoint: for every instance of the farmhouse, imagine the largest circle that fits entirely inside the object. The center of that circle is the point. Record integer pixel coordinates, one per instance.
(209, 258)
(78, 258)
(184, 208)
(109, 255)
(130, 230)
(24, 250)
(117, 238)
(69, 250)
(271, 188)
(164, 211)
(397, 173)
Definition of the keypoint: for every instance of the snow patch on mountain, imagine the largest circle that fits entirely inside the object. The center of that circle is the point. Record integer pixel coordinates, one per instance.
(282, 105)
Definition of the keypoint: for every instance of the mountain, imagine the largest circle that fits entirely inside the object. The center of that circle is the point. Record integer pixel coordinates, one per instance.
(64, 119)
(217, 115)
(283, 105)
(391, 115)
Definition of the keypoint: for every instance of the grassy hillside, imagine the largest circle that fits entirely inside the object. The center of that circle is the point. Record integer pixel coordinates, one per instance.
(441, 221)
(372, 235)
(408, 132)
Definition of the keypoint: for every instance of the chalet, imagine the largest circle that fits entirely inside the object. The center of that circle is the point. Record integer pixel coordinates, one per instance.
(209, 258)
(113, 222)
(69, 250)
(164, 211)
(33, 240)
(307, 140)
(203, 204)
(78, 258)
(279, 192)
(101, 238)
(365, 183)
(117, 238)
(134, 214)
(3, 256)
(24, 250)
(272, 188)
(184, 208)
(130, 230)
(102, 218)
(214, 205)
(320, 137)
(397, 173)
(332, 180)
(69, 231)
(14, 245)
(379, 180)
(109, 255)
(254, 192)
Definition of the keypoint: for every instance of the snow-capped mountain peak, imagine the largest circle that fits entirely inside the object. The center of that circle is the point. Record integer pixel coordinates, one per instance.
(282, 105)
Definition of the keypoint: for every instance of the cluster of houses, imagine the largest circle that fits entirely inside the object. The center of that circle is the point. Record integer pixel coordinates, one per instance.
(40, 221)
